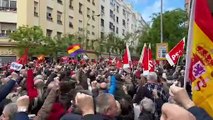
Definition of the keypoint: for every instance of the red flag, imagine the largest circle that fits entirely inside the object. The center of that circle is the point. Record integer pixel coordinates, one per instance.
(24, 58)
(142, 54)
(126, 58)
(145, 60)
(173, 56)
(119, 64)
(151, 61)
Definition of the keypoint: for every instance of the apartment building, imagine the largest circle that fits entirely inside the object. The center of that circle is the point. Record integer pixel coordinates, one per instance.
(8, 23)
(119, 18)
(55, 17)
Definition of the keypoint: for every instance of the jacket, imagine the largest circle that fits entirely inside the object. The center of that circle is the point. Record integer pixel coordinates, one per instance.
(146, 116)
(199, 113)
(6, 89)
(44, 112)
(21, 116)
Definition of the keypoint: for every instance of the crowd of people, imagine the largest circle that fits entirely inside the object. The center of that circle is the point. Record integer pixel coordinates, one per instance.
(94, 91)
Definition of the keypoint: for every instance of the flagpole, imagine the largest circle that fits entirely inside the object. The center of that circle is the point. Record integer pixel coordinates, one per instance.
(189, 44)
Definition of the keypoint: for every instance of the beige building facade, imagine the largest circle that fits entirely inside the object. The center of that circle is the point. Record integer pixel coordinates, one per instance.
(55, 17)
(58, 17)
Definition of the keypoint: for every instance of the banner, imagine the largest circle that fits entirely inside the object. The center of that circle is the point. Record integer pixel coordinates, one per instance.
(199, 61)
(174, 55)
(16, 66)
(161, 51)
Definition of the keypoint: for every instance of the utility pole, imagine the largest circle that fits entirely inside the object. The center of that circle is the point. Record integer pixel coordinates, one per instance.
(161, 22)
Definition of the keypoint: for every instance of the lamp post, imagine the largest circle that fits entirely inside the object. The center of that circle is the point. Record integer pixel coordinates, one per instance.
(161, 22)
(86, 42)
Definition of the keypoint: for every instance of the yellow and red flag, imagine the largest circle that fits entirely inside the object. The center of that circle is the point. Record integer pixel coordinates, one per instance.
(199, 66)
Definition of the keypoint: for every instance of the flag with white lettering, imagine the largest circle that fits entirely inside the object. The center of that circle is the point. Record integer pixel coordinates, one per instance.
(173, 56)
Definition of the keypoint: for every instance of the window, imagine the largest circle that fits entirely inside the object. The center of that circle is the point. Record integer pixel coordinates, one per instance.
(124, 12)
(59, 1)
(80, 8)
(59, 17)
(88, 32)
(102, 35)
(13, 4)
(124, 23)
(102, 22)
(59, 35)
(70, 21)
(80, 29)
(117, 30)
(49, 32)
(93, 2)
(8, 5)
(88, 0)
(49, 14)
(123, 33)
(112, 15)
(93, 15)
(111, 26)
(112, 2)
(35, 8)
(102, 10)
(5, 3)
(117, 19)
(71, 4)
(118, 9)
(93, 33)
(88, 12)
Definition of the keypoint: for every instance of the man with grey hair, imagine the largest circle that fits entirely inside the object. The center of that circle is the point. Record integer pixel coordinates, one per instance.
(156, 89)
(147, 109)
(106, 106)
(9, 112)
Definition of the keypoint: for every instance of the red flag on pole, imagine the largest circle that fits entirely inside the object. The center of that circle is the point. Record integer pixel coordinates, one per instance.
(24, 58)
(126, 58)
(145, 61)
(173, 56)
(151, 61)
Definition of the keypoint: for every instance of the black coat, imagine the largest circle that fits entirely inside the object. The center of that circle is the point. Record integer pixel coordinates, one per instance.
(146, 116)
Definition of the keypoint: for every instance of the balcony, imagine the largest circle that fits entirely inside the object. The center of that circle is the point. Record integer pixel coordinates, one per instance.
(8, 9)
(3, 35)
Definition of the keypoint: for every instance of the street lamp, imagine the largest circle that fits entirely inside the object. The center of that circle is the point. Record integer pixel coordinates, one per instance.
(86, 42)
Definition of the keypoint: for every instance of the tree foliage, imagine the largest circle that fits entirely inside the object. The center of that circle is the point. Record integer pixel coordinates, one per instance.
(174, 29)
(34, 39)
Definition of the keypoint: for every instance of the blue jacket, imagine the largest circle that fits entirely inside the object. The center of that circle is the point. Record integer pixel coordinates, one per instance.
(5, 90)
(199, 113)
(21, 116)
(112, 88)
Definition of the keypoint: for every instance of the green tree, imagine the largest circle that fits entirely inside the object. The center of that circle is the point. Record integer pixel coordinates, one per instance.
(28, 37)
(174, 29)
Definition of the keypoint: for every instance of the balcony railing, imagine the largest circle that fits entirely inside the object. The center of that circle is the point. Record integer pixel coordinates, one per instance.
(7, 9)
(3, 35)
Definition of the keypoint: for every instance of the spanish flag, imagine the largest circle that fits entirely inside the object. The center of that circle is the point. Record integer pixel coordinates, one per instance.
(199, 65)
(74, 50)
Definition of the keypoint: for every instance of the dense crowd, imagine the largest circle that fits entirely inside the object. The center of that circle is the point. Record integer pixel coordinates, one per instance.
(95, 91)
